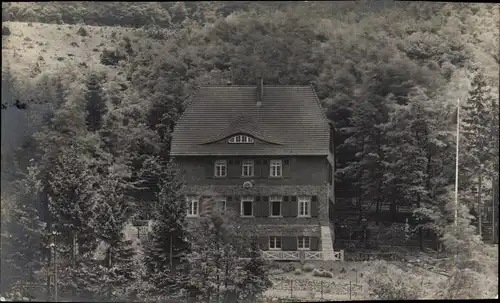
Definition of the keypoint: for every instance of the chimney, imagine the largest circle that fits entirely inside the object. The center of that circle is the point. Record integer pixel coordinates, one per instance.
(260, 91)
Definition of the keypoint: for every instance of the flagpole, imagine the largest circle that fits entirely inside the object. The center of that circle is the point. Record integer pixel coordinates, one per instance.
(456, 161)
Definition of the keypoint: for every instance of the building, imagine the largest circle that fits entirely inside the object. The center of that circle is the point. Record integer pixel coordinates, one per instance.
(266, 152)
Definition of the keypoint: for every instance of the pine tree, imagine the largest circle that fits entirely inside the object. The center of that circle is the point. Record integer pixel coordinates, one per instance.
(95, 103)
(165, 253)
(23, 235)
(479, 132)
(217, 270)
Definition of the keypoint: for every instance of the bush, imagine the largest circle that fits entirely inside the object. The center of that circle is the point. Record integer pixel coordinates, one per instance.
(82, 31)
(308, 267)
(297, 272)
(388, 282)
(322, 273)
(111, 57)
(5, 31)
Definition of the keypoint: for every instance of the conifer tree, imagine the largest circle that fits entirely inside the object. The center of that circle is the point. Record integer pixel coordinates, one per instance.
(217, 271)
(480, 136)
(165, 253)
(95, 103)
(22, 235)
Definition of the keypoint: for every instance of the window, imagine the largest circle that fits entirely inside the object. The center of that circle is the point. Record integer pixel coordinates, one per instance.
(220, 168)
(304, 206)
(247, 206)
(220, 203)
(247, 168)
(275, 202)
(303, 243)
(275, 243)
(192, 206)
(241, 139)
(275, 170)
(142, 232)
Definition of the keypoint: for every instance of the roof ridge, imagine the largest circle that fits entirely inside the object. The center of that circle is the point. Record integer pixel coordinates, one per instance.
(188, 105)
(319, 104)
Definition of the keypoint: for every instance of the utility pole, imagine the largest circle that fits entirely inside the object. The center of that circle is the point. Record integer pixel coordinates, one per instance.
(456, 162)
(54, 247)
(479, 205)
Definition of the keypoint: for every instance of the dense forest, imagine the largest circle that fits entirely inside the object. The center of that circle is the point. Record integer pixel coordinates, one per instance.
(85, 149)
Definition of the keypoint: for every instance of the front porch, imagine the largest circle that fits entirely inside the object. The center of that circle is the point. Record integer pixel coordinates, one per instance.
(298, 255)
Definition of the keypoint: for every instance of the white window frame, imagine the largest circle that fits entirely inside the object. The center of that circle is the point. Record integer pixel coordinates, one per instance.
(143, 232)
(221, 201)
(273, 199)
(301, 245)
(246, 199)
(274, 241)
(193, 206)
(276, 168)
(249, 165)
(241, 139)
(220, 164)
(304, 200)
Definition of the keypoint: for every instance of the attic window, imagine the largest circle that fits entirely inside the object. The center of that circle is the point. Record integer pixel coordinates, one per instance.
(241, 139)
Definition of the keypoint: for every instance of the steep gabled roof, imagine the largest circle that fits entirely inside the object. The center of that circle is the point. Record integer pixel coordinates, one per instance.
(290, 121)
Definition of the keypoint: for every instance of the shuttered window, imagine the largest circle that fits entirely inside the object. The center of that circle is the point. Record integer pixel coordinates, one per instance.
(193, 206)
(220, 203)
(247, 206)
(304, 206)
(275, 206)
(220, 168)
(303, 243)
(247, 168)
(276, 168)
(275, 243)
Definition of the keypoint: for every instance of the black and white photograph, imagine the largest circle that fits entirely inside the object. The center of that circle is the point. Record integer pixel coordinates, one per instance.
(249, 151)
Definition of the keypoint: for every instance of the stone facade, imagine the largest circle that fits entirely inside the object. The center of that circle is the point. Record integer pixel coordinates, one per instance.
(308, 177)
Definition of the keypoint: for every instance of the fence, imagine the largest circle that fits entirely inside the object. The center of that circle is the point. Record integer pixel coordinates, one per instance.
(307, 287)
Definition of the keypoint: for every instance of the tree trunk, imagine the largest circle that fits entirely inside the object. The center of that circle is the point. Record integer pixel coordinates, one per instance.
(420, 233)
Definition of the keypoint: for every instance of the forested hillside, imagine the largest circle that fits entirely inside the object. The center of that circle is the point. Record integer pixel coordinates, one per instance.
(107, 82)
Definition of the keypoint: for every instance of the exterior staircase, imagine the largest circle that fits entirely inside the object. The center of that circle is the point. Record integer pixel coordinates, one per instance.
(327, 244)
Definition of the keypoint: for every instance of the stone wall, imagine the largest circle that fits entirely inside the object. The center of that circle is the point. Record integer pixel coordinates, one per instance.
(264, 190)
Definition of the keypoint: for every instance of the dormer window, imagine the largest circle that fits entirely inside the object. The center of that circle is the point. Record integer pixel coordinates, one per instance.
(241, 139)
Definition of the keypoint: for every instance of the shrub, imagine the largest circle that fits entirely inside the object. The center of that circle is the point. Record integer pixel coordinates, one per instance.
(82, 31)
(308, 267)
(28, 39)
(74, 44)
(322, 273)
(5, 31)
(388, 282)
(297, 272)
(111, 57)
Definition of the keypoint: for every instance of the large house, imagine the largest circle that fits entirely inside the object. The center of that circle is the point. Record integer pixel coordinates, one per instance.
(266, 152)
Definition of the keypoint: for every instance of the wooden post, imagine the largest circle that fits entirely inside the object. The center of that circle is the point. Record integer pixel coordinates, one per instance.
(73, 253)
(322, 289)
(55, 266)
(171, 250)
(291, 289)
(479, 208)
(350, 287)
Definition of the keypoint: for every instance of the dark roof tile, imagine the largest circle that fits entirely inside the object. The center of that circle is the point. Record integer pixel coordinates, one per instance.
(290, 119)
